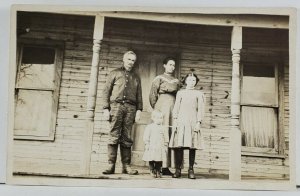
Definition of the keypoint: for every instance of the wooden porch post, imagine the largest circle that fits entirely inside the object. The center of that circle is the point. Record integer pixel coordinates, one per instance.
(235, 132)
(92, 92)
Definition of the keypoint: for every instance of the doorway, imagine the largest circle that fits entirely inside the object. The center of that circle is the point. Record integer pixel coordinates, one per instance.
(148, 66)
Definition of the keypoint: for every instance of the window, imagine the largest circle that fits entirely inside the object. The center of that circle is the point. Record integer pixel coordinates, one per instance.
(37, 89)
(260, 108)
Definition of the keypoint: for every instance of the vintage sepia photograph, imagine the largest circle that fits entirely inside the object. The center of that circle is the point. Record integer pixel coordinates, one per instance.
(162, 98)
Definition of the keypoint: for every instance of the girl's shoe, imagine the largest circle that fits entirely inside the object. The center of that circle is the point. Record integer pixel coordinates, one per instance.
(153, 173)
(177, 173)
(191, 174)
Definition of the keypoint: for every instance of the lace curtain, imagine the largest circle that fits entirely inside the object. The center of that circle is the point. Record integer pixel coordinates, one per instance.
(259, 127)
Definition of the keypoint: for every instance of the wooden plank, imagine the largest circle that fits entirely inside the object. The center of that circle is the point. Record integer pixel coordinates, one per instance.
(262, 161)
(247, 20)
(281, 94)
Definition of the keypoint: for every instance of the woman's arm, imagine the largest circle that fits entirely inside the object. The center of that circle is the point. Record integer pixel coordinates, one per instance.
(153, 95)
(177, 104)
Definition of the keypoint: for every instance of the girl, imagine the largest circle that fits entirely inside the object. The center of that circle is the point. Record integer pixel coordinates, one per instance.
(156, 144)
(188, 115)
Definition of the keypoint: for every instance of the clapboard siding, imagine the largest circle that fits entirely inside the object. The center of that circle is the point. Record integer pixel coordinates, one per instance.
(63, 155)
(286, 103)
(267, 46)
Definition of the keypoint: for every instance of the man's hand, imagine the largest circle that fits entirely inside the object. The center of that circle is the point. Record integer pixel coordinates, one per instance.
(137, 115)
(106, 114)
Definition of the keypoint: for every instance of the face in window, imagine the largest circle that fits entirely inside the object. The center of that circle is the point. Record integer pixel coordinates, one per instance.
(190, 81)
(128, 61)
(169, 67)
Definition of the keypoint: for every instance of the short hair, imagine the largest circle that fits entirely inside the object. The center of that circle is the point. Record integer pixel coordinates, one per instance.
(188, 75)
(169, 58)
(129, 52)
(156, 113)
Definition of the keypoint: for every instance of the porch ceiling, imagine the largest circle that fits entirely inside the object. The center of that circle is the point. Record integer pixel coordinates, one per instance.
(246, 17)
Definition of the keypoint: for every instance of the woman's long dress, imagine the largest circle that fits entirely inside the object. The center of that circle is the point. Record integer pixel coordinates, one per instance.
(162, 97)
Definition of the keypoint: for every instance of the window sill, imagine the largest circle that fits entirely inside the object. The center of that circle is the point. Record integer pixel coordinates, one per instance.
(261, 152)
(36, 138)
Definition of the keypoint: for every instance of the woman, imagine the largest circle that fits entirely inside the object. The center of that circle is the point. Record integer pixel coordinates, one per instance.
(162, 97)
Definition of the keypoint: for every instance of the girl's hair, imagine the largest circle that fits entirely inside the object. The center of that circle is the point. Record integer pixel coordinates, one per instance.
(166, 60)
(191, 74)
(156, 113)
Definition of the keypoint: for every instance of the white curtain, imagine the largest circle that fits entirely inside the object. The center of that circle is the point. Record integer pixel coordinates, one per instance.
(259, 126)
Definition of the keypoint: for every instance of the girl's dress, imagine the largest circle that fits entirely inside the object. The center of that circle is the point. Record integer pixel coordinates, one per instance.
(162, 97)
(157, 142)
(188, 109)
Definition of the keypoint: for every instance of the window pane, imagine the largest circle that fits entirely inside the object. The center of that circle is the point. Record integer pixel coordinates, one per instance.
(259, 90)
(259, 71)
(259, 86)
(39, 76)
(33, 113)
(38, 55)
(259, 127)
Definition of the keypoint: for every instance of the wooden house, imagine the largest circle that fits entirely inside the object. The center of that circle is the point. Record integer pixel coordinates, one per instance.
(63, 60)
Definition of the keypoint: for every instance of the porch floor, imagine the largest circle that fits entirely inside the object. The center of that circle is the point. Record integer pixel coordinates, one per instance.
(144, 174)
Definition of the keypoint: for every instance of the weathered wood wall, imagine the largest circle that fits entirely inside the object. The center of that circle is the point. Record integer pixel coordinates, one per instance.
(63, 155)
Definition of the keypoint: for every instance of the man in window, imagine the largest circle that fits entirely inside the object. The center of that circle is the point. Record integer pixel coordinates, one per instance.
(122, 98)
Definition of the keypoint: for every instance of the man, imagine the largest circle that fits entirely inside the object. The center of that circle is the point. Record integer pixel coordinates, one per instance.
(122, 98)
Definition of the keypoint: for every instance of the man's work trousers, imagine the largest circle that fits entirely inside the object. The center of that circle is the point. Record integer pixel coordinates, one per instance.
(122, 119)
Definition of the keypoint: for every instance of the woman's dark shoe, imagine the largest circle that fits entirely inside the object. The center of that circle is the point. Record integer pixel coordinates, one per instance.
(177, 173)
(158, 174)
(191, 174)
(166, 172)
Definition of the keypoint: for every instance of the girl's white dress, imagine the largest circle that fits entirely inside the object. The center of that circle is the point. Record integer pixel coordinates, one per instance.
(156, 143)
(188, 109)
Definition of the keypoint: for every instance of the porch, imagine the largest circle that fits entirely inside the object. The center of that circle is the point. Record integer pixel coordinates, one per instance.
(212, 45)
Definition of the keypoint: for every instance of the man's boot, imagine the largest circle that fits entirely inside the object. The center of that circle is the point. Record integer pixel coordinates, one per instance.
(112, 150)
(178, 162)
(126, 160)
(192, 155)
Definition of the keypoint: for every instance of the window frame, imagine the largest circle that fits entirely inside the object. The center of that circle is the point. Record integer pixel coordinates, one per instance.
(58, 46)
(279, 82)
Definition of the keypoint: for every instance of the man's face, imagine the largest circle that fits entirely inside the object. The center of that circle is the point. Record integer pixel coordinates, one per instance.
(129, 61)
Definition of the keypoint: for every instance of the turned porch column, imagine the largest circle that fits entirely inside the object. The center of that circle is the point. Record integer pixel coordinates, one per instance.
(235, 132)
(92, 91)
